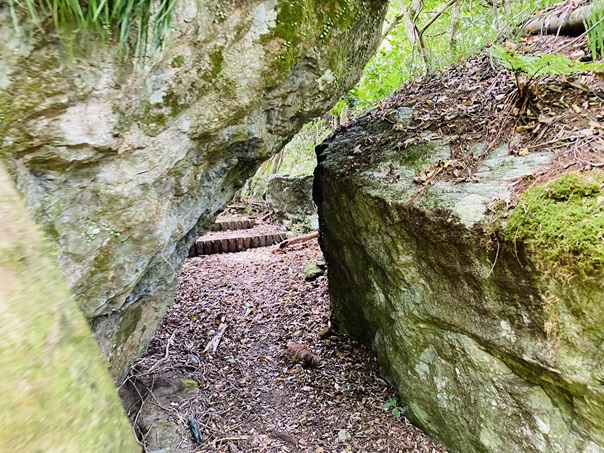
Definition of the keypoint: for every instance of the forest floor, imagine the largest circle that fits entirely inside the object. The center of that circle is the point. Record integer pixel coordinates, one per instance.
(251, 393)
(476, 106)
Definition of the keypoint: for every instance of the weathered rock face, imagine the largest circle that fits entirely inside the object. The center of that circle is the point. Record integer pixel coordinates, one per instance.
(490, 349)
(124, 167)
(290, 198)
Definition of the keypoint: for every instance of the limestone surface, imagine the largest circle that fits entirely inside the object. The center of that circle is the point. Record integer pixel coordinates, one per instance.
(491, 348)
(124, 163)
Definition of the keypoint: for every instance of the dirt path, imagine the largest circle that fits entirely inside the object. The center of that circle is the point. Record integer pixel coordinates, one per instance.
(249, 395)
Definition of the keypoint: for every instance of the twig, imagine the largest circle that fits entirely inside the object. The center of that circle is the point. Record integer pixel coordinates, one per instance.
(583, 161)
(226, 439)
(213, 344)
(156, 364)
(215, 441)
(494, 261)
(551, 142)
(436, 16)
(393, 25)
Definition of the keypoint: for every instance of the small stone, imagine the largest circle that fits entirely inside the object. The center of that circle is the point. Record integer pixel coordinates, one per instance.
(344, 436)
(312, 271)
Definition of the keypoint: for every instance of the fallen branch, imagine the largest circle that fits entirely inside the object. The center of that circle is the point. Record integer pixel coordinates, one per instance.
(215, 342)
(195, 430)
(296, 240)
(561, 22)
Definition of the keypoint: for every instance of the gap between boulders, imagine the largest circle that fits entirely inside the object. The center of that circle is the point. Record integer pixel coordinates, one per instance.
(247, 356)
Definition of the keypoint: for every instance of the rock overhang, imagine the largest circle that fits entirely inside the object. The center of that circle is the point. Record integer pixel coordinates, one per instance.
(124, 168)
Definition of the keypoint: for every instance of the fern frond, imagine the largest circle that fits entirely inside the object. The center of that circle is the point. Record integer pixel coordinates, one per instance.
(543, 64)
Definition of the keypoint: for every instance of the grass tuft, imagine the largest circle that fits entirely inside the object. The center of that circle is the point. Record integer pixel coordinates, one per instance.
(594, 24)
(147, 20)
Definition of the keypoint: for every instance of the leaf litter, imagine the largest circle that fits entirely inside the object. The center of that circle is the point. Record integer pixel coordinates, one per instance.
(251, 342)
(476, 106)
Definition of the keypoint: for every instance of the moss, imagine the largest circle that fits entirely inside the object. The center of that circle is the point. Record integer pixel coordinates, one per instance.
(189, 384)
(38, 81)
(56, 394)
(216, 60)
(301, 21)
(563, 221)
(14, 257)
(178, 61)
(158, 116)
(128, 324)
(417, 157)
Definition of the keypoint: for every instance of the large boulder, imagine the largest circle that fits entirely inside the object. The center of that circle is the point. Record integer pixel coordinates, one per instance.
(493, 343)
(290, 199)
(123, 167)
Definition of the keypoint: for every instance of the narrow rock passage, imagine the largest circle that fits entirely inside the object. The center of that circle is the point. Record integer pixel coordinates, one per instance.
(249, 395)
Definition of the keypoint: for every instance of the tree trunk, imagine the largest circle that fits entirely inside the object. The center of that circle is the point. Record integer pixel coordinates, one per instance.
(455, 23)
(276, 162)
(55, 391)
(410, 15)
(561, 22)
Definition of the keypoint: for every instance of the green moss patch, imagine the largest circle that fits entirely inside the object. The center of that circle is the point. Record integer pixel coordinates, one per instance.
(300, 23)
(563, 220)
(217, 61)
(189, 384)
(178, 61)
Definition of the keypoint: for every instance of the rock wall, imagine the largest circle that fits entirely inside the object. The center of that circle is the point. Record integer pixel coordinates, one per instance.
(491, 347)
(55, 390)
(124, 165)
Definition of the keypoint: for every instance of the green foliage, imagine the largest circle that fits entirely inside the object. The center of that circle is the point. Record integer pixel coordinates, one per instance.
(299, 153)
(296, 158)
(392, 403)
(594, 23)
(563, 220)
(109, 19)
(398, 60)
(543, 64)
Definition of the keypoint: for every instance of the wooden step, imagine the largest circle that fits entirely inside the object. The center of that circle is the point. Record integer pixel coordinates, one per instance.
(235, 244)
(224, 225)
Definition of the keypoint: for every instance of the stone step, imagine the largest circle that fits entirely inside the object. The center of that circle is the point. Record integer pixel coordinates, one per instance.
(235, 244)
(242, 224)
